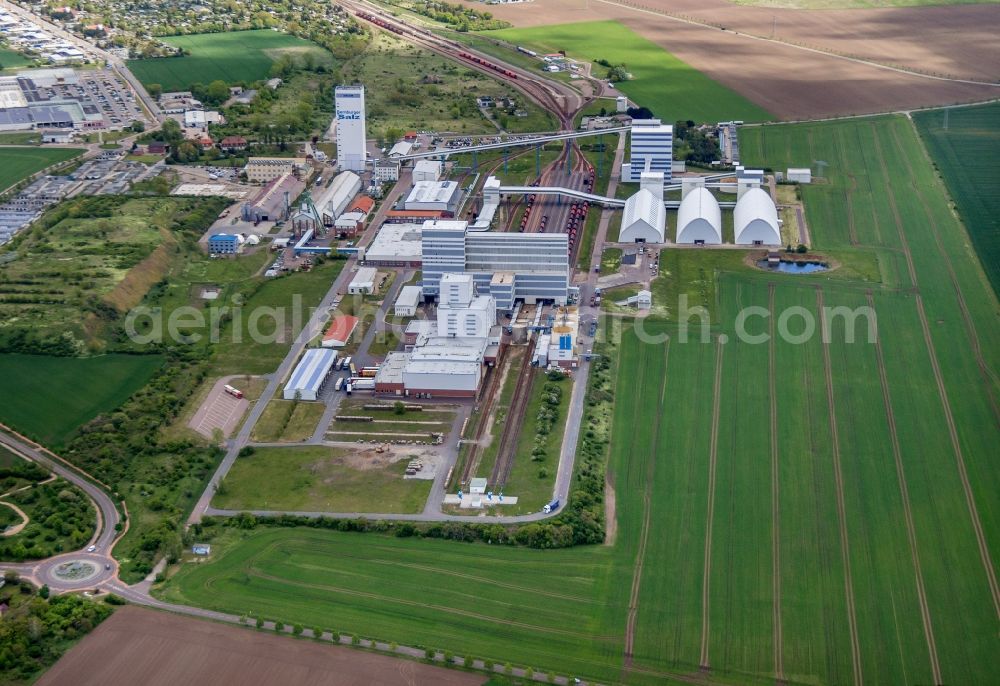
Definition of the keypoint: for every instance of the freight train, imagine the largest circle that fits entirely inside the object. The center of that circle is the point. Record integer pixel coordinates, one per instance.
(380, 22)
(489, 65)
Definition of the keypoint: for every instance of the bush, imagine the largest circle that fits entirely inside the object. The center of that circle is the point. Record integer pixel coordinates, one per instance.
(278, 626)
(260, 622)
(112, 599)
(297, 630)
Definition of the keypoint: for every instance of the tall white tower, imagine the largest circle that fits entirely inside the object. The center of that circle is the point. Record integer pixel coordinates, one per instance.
(350, 105)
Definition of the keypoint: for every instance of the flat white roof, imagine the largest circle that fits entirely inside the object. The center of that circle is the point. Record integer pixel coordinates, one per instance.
(409, 296)
(442, 367)
(396, 241)
(432, 191)
(365, 275)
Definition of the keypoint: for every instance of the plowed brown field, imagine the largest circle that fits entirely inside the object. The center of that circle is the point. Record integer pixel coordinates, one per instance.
(139, 646)
(795, 83)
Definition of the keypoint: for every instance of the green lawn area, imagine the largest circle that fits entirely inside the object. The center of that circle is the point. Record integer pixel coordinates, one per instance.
(20, 163)
(965, 154)
(286, 420)
(320, 479)
(669, 87)
(12, 60)
(235, 57)
(47, 398)
(809, 509)
(241, 352)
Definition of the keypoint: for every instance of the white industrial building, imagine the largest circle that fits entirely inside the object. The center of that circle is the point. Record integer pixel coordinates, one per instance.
(385, 170)
(363, 282)
(451, 367)
(799, 175)
(406, 301)
(756, 219)
(699, 219)
(461, 313)
(644, 219)
(334, 199)
(652, 149)
(310, 374)
(349, 102)
(395, 245)
(427, 170)
(440, 196)
(531, 267)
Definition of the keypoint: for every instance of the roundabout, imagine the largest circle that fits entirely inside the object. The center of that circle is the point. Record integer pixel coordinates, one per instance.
(75, 571)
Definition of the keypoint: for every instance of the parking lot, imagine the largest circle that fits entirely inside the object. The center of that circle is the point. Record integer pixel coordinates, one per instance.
(219, 411)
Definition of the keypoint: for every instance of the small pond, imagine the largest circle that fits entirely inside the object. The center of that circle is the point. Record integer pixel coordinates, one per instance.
(794, 267)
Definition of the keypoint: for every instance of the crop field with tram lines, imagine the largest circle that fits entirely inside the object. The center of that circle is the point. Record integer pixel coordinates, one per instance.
(964, 143)
(666, 85)
(816, 512)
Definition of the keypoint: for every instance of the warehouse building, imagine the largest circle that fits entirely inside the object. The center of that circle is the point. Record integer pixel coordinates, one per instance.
(310, 375)
(407, 301)
(395, 245)
(363, 282)
(440, 196)
(756, 219)
(644, 219)
(652, 149)
(271, 201)
(339, 332)
(699, 219)
(799, 175)
(338, 196)
(533, 267)
(427, 170)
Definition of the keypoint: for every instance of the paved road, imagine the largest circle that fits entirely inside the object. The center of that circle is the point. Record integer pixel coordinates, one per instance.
(107, 519)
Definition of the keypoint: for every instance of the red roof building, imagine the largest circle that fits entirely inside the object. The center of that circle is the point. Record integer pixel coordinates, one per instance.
(233, 143)
(339, 331)
(362, 204)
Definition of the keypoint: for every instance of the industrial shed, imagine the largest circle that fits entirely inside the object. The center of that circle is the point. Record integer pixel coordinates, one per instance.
(699, 219)
(406, 303)
(644, 219)
(310, 374)
(363, 282)
(756, 219)
(335, 199)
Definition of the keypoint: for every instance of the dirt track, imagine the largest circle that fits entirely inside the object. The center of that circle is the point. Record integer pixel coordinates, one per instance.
(139, 646)
(955, 41)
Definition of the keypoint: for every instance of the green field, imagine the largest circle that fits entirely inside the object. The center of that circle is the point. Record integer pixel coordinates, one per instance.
(537, 608)
(669, 87)
(9, 59)
(965, 154)
(47, 398)
(20, 163)
(319, 479)
(814, 511)
(236, 57)
(286, 420)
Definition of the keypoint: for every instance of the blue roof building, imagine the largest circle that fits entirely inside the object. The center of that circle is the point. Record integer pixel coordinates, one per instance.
(309, 376)
(223, 244)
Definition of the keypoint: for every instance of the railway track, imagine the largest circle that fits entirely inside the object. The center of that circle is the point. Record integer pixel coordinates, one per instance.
(513, 423)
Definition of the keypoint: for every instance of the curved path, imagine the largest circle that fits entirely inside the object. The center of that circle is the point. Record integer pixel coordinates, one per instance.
(17, 528)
